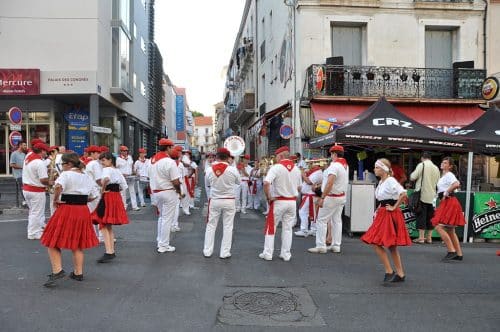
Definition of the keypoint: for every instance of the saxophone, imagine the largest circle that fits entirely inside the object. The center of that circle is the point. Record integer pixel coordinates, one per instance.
(52, 175)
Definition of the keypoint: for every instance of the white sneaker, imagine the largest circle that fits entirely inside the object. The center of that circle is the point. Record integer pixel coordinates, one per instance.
(186, 213)
(265, 257)
(238, 210)
(265, 213)
(225, 256)
(336, 249)
(136, 208)
(301, 233)
(286, 259)
(161, 250)
(143, 204)
(317, 250)
(175, 229)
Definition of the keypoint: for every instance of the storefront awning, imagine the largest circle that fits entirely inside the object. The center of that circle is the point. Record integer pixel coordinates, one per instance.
(255, 127)
(430, 115)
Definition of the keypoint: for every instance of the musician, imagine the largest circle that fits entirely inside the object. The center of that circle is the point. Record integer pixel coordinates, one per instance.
(35, 180)
(184, 173)
(175, 154)
(53, 171)
(166, 189)
(243, 188)
(71, 226)
(208, 163)
(284, 178)
(332, 201)
(311, 178)
(141, 166)
(110, 210)
(222, 178)
(255, 189)
(124, 163)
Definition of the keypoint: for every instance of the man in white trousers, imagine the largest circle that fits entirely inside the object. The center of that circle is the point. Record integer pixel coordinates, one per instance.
(243, 189)
(35, 180)
(332, 201)
(141, 168)
(222, 179)
(125, 163)
(281, 186)
(166, 189)
(307, 213)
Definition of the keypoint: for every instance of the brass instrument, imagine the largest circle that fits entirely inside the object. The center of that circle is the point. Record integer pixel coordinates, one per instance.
(53, 174)
(265, 164)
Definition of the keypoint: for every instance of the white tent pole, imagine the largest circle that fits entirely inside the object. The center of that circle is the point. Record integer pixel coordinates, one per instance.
(467, 194)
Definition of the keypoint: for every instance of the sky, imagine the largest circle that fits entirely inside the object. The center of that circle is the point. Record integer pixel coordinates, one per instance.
(196, 40)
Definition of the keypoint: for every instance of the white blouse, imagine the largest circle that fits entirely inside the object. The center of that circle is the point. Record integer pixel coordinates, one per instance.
(75, 183)
(446, 181)
(114, 176)
(389, 189)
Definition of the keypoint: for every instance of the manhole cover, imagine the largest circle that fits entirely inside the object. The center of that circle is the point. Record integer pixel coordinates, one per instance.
(265, 303)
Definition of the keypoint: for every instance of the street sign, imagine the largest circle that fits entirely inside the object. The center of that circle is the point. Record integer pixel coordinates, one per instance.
(286, 131)
(14, 138)
(16, 127)
(15, 115)
(101, 130)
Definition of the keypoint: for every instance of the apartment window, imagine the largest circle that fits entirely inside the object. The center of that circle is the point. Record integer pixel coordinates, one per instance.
(121, 11)
(438, 48)
(347, 42)
(121, 59)
(206, 131)
(143, 89)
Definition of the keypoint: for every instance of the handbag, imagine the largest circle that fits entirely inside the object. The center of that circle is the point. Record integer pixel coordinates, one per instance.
(414, 203)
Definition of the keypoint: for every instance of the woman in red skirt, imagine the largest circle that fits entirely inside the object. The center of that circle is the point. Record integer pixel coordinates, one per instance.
(70, 227)
(449, 213)
(110, 210)
(388, 228)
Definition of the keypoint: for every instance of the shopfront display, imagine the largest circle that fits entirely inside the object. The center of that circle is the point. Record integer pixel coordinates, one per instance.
(486, 219)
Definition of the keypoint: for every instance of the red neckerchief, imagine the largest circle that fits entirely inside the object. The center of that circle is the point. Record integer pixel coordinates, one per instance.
(219, 168)
(31, 157)
(312, 170)
(289, 165)
(87, 160)
(159, 156)
(240, 166)
(342, 161)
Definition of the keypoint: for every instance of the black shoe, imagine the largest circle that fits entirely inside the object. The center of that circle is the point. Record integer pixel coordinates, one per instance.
(53, 277)
(77, 277)
(458, 258)
(106, 258)
(449, 256)
(389, 276)
(397, 278)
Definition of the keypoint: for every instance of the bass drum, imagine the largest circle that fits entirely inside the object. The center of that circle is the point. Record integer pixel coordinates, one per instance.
(235, 145)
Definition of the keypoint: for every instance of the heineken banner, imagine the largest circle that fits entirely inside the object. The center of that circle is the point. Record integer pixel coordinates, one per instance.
(486, 219)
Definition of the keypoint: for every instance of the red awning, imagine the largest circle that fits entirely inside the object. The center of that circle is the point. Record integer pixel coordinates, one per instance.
(431, 115)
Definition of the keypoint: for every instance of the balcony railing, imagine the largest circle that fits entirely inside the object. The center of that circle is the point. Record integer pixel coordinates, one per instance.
(396, 82)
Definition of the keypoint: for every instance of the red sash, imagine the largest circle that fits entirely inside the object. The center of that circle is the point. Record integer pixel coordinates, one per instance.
(32, 156)
(289, 165)
(254, 187)
(159, 156)
(219, 169)
(33, 189)
(309, 197)
(269, 230)
(189, 185)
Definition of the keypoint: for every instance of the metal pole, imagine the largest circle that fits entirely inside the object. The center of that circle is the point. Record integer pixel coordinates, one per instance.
(467, 194)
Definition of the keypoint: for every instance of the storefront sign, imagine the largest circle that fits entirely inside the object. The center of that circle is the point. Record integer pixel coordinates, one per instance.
(15, 115)
(486, 219)
(68, 82)
(286, 131)
(101, 130)
(77, 117)
(78, 126)
(14, 138)
(490, 88)
(179, 113)
(19, 82)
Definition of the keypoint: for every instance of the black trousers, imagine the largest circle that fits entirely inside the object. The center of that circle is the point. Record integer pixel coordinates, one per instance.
(423, 219)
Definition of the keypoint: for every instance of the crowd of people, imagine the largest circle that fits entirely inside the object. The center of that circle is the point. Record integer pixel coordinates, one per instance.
(92, 190)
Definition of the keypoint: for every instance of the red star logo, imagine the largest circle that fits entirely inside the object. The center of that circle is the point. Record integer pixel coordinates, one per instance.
(492, 204)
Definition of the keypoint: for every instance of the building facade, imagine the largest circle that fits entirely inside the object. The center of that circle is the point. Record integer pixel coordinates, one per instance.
(326, 61)
(82, 74)
(203, 137)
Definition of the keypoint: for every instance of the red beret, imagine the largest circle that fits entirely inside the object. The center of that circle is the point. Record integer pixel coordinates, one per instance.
(54, 147)
(104, 148)
(166, 142)
(41, 146)
(123, 148)
(174, 154)
(142, 150)
(93, 148)
(35, 140)
(178, 148)
(337, 148)
(294, 157)
(223, 150)
(247, 157)
(282, 149)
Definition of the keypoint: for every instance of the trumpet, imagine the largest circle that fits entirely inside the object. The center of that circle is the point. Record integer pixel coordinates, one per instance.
(264, 165)
(53, 174)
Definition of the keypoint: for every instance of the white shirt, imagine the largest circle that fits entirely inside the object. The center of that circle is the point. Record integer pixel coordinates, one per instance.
(446, 181)
(94, 170)
(302, 164)
(248, 169)
(341, 178)
(125, 165)
(283, 182)
(164, 171)
(141, 168)
(114, 176)
(75, 183)
(222, 186)
(316, 177)
(389, 189)
(33, 172)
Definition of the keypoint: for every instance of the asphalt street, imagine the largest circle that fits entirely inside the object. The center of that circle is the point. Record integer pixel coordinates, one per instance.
(183, 291)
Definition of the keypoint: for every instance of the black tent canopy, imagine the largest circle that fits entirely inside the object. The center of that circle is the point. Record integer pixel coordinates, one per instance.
(484, 132)
(382, 124)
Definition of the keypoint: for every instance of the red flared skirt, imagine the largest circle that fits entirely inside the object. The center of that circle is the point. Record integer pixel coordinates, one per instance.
(388, 229)
(70, 228)
(449, 212)
(114, 211)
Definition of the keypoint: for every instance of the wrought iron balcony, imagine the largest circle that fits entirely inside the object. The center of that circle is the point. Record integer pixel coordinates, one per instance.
(395, 82)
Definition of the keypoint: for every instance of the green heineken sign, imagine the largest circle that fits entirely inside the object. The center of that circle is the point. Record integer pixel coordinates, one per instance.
(486, 219)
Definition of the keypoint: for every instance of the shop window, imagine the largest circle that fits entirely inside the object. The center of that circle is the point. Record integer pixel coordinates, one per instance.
(121, 59)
